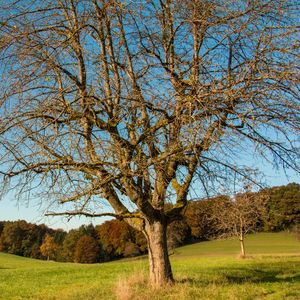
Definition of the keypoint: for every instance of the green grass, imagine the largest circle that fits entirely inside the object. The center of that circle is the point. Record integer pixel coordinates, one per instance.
(262, 243)
(209, 270)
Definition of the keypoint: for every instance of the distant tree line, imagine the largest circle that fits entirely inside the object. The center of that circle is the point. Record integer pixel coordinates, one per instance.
(202, 220)
(87, 244)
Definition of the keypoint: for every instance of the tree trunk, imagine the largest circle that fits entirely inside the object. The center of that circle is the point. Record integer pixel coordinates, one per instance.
(242, 245)
(159, 262)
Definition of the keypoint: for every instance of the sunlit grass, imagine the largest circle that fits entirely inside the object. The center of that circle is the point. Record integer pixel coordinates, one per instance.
(210, 270)
(255, 244)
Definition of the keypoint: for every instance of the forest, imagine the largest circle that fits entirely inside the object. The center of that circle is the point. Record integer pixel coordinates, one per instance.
(113, 239)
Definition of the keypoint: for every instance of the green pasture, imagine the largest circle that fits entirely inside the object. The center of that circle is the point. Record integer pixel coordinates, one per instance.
(208, 270)
(279, 243)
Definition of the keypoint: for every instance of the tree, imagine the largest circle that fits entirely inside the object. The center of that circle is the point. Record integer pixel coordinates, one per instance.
(178, 233)
(283, 207)
(20, 237)
(11, 238)
(71, 239)
(69, 244)
(49, 248)
(114, 236)
(87, 250)
(25, 239)
(198, 216)
(2, 224)
(131, 250)
(239, 215)
(113, 108)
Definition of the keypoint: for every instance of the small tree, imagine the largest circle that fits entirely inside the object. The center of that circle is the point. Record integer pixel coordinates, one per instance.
(238, 216)
(49, 248)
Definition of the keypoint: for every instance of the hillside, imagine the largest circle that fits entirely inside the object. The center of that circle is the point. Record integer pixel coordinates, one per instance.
(256, 244)
(209, 270)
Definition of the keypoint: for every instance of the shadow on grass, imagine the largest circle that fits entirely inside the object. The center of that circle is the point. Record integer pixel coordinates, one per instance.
(261, 276)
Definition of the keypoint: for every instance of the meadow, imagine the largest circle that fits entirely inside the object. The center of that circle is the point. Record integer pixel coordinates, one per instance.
(207, 270)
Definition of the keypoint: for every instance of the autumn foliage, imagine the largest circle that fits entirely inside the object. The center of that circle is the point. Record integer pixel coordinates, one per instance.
(49, 248)
(118, 237)
(87, 250)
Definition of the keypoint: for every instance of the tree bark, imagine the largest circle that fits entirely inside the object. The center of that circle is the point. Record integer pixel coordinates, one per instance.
(243, 254)
(160, 267)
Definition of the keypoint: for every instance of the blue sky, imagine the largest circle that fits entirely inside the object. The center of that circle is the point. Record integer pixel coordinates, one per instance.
(10, 209)
(32, 212)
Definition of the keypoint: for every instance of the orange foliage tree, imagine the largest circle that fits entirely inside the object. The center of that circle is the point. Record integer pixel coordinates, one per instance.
(49, 248)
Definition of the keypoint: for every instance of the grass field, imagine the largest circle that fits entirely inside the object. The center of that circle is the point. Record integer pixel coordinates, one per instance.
(209, 270)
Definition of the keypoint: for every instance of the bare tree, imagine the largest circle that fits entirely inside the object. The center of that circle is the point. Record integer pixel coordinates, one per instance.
(113, 107)
(238, 216)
